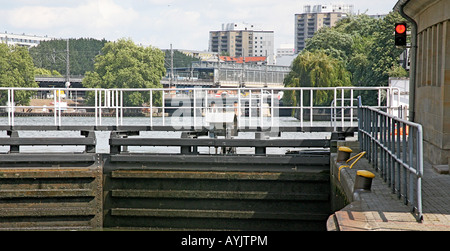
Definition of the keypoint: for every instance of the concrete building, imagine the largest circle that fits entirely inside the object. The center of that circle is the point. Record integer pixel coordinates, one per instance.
(313, 19)
(285, 55)
(285, 50)
(22, 40)
(430, 74)
(202, 55)
(242, 40)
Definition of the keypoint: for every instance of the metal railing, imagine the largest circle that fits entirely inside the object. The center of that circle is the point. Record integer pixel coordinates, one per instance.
(395, 148)
(254, 107)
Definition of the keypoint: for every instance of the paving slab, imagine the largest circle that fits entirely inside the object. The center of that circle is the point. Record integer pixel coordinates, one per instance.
(381, 210)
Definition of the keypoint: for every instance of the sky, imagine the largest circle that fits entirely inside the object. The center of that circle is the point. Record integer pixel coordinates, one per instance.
(183, 23)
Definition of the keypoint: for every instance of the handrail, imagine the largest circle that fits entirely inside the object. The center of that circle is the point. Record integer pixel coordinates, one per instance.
(253, 106)
(395, 147)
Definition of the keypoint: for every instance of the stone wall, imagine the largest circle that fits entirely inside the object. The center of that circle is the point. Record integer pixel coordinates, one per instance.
(432, 98)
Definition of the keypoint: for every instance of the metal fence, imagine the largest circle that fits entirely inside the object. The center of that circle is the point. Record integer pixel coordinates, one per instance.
(395, 148)
(254, 107)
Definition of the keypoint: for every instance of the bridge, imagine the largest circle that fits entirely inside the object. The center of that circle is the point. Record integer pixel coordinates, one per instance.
(201, 74)
(59, 81)
(77, 82)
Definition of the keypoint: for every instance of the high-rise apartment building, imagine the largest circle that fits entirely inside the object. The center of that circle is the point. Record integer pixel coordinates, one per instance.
(242, 40)
(313, 19)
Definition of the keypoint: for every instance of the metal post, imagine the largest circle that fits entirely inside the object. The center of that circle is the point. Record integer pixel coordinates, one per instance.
(393, 150)
(398, 164)
(59, 110)
(342, 108)
(9, 107)
(411, 163)
(250, 109)
(100, 107)
(334, 108)
(163, 107)
(351, 107)
(375, 144)
(261, 100)
(239, 108)
(116, 92)
(206, 103)
(95, 108)
(420, 170)
(121, 107)
(405, 191)
(194, 105)
(383, 142)
(360, 123)
(54, 106)
(151, 108)
(311, 110)
(13, 109)
(301, 108)
(379, 98)
(271, 109)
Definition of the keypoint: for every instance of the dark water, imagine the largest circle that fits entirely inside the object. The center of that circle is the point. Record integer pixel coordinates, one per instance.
(103, 136)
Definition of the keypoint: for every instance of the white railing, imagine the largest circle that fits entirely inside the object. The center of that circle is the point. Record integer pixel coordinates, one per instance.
(254, 107)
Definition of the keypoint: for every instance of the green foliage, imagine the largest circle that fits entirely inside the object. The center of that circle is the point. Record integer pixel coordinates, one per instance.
(384, 55)
(179, 59)
(45, 72)
(363, 46)
(16, 70)
(333, 42)
(123, 64)
(51, 55)
(316, 69)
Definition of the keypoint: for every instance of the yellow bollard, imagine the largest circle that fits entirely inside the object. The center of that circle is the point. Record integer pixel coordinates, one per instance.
(343, 154)
(363, 180)
(357, 156)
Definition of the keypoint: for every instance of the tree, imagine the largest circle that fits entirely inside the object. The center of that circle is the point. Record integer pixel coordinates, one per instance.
(51, 54)
(179, 59)
(333, 42)
(16, 70)
(123, 64)
(316, 69)
(384, 55)
(365, 47)
(45, 72)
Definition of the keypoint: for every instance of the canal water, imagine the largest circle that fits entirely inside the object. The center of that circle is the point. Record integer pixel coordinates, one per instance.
(103, 136)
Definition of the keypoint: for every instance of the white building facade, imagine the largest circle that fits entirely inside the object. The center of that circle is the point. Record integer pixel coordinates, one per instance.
(22, 40)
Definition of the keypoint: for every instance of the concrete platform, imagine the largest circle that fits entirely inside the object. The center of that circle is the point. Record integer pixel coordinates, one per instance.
(380, 210)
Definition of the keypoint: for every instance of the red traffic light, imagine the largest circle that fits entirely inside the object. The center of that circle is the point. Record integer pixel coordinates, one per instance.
(400, 28)
(400, 34)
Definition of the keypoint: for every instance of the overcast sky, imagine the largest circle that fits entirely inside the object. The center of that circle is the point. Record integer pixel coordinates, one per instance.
(184, 23)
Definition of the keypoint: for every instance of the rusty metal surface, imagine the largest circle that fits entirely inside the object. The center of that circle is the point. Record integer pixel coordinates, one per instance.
(215, 199)
(42, 198)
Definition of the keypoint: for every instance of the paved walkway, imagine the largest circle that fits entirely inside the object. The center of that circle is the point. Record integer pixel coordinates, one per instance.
(380, 210)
